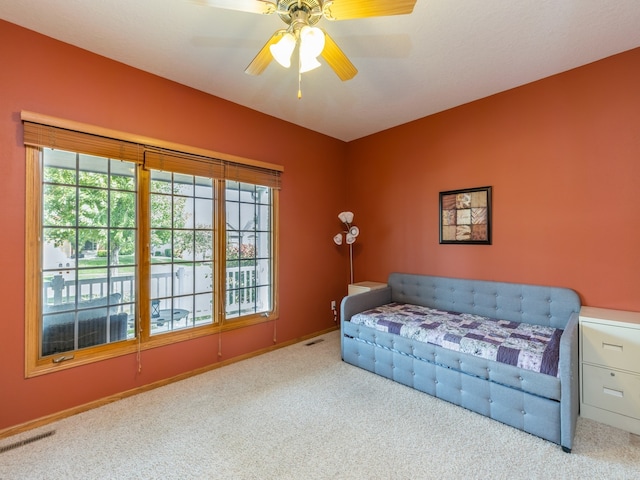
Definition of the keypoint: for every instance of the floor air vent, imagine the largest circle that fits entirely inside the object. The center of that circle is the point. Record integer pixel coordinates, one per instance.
(26, 441)
(313, 342)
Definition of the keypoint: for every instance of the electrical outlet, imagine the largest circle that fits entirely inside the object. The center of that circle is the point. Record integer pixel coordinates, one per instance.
(333, 304)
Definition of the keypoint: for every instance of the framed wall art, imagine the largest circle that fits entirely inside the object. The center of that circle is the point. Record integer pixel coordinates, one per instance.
(465, 216)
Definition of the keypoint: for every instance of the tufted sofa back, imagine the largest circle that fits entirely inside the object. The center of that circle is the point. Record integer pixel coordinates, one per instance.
(534, 304)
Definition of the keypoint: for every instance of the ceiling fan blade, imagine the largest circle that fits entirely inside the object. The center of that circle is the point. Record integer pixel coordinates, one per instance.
(349, 9)
(337, 60)
(264, 57)
(265, 7)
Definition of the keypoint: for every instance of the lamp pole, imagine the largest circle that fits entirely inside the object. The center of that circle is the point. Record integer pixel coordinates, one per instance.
(350, 235)
(351, 259)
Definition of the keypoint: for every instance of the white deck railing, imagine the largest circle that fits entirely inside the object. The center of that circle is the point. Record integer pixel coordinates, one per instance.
(241, 296)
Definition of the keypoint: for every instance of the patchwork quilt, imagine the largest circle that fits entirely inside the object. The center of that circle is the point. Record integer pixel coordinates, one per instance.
(531, 347)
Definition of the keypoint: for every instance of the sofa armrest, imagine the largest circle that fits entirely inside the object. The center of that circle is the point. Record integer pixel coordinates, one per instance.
(569, 381)
(360, 302)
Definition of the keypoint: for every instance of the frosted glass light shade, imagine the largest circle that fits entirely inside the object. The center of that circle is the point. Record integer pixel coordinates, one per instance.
(308, 63)
(346, 217)
(282, 50)
(337, 239)
(354, 231)
(311, 45)
(311, 41)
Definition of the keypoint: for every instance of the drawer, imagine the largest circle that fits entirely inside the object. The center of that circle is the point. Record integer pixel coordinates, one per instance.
(613, 346)
(611, 390)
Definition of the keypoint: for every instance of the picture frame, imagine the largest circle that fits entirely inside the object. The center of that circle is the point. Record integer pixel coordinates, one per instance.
(465, 216)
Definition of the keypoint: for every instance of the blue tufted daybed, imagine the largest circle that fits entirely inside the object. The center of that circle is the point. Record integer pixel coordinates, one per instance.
(543, 404)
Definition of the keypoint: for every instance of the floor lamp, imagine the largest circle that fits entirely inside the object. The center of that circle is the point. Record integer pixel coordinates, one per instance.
(350, 235)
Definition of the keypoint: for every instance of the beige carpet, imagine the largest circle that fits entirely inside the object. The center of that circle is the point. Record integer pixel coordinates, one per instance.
(301, 413)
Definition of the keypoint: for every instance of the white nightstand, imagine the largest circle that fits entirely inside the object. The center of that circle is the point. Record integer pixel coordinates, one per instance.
(610, 367)
(361, 287)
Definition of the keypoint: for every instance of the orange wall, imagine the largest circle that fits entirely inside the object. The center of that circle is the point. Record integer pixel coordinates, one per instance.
(563, 157)
(67, 82)
(562, 154)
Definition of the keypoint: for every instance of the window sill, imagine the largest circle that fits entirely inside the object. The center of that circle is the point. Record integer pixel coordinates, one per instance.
(52, 363)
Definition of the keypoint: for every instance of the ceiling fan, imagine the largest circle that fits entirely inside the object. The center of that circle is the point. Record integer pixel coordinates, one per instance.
(300, 17)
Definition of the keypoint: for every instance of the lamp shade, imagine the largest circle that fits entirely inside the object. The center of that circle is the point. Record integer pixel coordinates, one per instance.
(350, 235)
(282, 50)
(346, 217)
(311, 41)
(311, 45)
(308, 63)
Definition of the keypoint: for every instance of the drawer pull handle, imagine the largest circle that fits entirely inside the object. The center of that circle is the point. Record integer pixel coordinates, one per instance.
(615, 393)
(611, 346)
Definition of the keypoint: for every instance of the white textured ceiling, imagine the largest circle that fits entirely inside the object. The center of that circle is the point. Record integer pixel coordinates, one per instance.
(447, 53)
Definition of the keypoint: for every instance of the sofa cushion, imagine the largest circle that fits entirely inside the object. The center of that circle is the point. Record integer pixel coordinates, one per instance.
(532, 347)
(60, 337)
(65, 312)
(59, 328)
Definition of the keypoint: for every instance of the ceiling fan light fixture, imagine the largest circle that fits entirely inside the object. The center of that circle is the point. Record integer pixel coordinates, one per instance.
(311, 45)
(283, 50)
(308, 63)
(311, 40)
(298, 14)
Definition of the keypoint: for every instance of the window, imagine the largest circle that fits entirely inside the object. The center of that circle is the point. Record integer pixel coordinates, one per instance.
(248, 249)
(88, 251)
(182, 244)
(132, 245)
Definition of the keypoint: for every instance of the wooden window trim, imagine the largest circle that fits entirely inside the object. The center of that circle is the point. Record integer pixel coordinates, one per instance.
(241, 169)
(38, 118)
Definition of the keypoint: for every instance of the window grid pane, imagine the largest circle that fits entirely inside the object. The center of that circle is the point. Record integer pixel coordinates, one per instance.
(182, 209)
(88, 282)
(248, 276)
